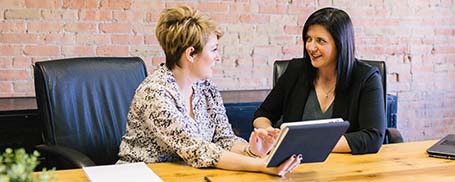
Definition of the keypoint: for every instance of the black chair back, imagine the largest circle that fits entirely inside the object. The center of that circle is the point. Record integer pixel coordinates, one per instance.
(84, 102)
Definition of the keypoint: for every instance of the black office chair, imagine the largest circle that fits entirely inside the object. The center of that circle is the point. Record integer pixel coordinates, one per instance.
(392, 135)
(83, 103)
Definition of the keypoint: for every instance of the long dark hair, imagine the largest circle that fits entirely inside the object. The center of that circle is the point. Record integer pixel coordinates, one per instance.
(338, 23)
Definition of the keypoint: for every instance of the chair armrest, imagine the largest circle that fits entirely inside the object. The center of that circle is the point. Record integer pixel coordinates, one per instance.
(393, 135)
(62, 157)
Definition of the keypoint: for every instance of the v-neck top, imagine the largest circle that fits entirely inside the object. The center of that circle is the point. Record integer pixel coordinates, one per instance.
(361, 103)
(313, 110)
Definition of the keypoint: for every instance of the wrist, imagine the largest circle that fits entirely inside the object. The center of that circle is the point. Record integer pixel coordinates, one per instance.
(247, 151)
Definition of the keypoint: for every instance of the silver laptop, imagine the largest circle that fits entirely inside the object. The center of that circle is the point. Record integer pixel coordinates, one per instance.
(444, 148)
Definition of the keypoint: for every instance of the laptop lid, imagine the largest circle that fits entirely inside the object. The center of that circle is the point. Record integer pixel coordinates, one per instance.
(444, 148)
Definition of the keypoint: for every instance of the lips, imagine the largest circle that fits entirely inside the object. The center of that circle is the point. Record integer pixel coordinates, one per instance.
(315, 56)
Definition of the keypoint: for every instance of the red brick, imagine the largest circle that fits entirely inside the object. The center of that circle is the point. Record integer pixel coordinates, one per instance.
(147, 5)
(445, 50)
(294, 30)
(130, 16)
(81, 27)
(12, 26)
(78, 51)
(143, 28)
(12, 3)
(272, 9)
(68, 15)
(253, 83)
(112, 51)
(51, 4)
(79, 4)
(116, 4)
(41, 50)
(5, 63)
(255, 19)
(217, 7)
(92, 39)
(151, 39)
(226, 18)
(96, 15)
(267, 50)
(21, 62)
(8, 75)
(127, 39)
(58, 38)
(115, 27)
(23, 86)
(242, 8)
(10, 50)
(171, 4)
(5, 88)
(22, 14)
(294, 51)
(45, 27)
(283, 40)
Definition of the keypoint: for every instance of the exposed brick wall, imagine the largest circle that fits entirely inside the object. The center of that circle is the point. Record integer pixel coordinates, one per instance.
(416, 39)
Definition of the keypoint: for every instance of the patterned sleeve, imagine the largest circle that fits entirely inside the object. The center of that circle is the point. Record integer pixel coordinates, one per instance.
(224, 135)
(168, 123)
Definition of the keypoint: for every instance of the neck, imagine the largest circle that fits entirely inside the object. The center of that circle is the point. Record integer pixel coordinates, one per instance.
(184, 80)
(326, 75)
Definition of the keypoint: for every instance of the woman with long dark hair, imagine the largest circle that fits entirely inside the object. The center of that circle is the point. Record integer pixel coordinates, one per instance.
(329, 83)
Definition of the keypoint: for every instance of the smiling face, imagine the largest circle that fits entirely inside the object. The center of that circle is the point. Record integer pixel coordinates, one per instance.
(321, 47)
(202, 68)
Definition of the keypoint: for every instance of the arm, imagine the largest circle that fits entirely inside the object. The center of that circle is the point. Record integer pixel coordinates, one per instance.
(262, 122)
(260, 143)
(371, 118)
(342, 146)
(234, 161)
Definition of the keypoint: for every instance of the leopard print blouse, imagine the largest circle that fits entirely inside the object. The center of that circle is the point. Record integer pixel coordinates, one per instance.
(159, 128)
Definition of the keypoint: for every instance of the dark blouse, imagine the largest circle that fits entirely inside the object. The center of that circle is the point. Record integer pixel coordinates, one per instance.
(313, 108)
(362, 104)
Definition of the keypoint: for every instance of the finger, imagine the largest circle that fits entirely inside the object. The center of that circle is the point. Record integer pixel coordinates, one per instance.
(296, 163)
(285, 165)
(261, 132)
(251, 135)
(274, 133)
(293, 166)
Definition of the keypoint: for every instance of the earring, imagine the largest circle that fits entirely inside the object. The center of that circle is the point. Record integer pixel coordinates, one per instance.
(191, 60)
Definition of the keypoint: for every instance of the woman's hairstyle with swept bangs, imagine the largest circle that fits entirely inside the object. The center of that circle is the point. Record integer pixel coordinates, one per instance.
(183, 27)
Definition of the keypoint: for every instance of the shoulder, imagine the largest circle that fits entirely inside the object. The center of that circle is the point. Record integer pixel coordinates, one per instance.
(296, 64)
(293, 69)
(364, 71)
(160, 82)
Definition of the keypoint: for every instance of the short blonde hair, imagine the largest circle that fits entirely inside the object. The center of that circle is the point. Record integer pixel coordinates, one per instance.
(183, 27)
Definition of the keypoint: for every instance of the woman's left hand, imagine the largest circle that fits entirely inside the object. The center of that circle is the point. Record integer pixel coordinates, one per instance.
(263, 140)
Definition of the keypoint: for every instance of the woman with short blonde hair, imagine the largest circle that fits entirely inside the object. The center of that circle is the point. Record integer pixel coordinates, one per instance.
(177, 114)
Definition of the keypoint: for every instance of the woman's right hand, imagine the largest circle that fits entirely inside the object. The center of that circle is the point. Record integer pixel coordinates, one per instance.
(285, 167)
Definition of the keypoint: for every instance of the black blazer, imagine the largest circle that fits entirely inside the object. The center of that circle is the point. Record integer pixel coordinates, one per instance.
(362, 104)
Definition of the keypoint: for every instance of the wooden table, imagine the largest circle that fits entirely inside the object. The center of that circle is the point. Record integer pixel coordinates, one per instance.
(395, 162)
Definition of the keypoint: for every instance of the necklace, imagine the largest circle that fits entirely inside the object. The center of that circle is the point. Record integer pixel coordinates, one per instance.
(328, 92)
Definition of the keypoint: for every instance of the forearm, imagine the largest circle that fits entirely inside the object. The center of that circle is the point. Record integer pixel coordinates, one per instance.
(235, 161)
(342, 146)
(262, 122)
(239, 147)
